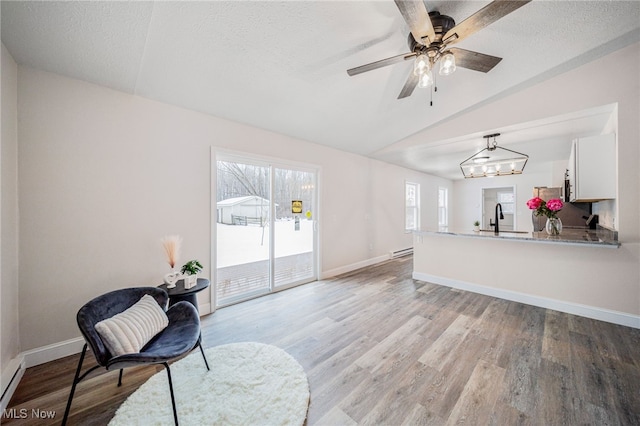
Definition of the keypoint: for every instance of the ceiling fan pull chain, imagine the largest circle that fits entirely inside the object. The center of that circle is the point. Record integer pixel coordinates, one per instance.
(434, 88)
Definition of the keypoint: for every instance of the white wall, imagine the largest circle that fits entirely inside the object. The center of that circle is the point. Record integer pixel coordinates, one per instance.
(104, 175)
(604, 279)
(9, 330)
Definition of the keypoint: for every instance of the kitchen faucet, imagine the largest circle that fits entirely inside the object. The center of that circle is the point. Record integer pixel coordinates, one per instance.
(498, 206)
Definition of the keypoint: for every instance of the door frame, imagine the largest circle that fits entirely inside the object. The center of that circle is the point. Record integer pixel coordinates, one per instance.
(272, 162)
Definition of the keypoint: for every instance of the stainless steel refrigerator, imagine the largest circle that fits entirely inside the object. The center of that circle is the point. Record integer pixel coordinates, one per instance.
(572, 215)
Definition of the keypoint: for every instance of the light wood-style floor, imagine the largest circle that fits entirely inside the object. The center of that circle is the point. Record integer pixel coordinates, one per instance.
(381, 348)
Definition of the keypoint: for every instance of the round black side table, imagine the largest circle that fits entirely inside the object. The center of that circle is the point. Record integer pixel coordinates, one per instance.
(179, 293)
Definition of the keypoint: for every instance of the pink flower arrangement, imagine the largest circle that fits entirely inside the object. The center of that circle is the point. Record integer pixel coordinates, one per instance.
(535, 203)
(555, 204)
(548, 208)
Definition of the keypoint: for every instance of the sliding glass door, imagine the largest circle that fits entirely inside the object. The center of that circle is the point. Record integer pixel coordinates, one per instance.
(243, 237)
(265, 228)
(294, 227)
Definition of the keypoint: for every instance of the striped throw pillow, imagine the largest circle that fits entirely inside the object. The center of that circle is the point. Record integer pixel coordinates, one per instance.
(128, 331)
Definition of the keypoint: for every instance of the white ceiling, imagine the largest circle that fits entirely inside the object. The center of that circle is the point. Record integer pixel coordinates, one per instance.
(282, 66)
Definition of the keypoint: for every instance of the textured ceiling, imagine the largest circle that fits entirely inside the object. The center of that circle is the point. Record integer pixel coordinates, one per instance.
(282, 66)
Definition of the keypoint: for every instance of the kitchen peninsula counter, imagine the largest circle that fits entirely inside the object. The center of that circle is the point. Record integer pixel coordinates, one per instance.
(571, 273)
(569, 236)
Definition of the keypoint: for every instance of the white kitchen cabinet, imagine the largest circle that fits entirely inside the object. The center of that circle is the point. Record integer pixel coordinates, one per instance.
(592, 168)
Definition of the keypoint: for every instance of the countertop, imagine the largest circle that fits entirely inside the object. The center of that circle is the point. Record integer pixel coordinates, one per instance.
(571, 236)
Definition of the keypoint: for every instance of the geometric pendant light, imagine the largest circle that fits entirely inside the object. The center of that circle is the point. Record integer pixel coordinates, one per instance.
(493, 161)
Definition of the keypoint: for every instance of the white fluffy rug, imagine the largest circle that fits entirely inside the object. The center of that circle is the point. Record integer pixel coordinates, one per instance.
(249, 384)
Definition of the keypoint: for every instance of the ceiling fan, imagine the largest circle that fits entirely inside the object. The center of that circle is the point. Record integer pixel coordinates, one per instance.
(430, 37)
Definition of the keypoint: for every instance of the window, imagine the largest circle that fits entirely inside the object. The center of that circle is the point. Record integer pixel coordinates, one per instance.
(412, 206)
(507, 201)
(443, 204)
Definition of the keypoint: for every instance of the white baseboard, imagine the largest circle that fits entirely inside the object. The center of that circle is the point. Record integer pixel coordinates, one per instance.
(52, 352)
(593, 312)
(352, 267)
(11, 376)
(204, 309)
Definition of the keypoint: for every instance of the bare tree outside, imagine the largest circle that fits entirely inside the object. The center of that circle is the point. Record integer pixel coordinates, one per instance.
(239, 180)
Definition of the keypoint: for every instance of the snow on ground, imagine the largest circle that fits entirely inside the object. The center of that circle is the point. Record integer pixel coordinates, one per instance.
(242, 244)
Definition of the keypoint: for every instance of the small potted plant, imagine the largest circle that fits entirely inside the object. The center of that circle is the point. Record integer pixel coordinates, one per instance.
(190, 273)
(476, 226)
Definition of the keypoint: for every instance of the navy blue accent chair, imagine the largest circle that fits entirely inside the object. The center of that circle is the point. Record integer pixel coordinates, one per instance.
(180, 337)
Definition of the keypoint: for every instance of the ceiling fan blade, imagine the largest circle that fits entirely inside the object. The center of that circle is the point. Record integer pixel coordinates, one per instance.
(482, 18)
(409, 86)
(474, 60)
(381, 63)
(417, 18)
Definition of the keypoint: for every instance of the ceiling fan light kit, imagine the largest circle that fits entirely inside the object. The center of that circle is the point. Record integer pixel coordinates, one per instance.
(430, 36)
(421, 65)
(494, 161)
(447, 64)
(425, 80)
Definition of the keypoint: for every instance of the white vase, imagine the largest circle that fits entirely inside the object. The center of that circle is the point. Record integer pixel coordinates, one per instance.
(190, 280)
(171, 278)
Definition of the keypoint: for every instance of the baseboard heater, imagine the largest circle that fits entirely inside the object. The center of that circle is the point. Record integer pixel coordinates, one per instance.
(9, 384)
(400, 253)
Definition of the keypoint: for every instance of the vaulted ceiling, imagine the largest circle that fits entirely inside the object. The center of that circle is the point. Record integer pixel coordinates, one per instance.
(281, 66)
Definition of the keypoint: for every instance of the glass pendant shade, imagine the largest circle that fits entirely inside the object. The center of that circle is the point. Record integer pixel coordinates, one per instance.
(447, 64)
(421, 65)
(425, 80)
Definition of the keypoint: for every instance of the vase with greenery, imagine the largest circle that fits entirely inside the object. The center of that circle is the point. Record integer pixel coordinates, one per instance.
(190, 273)
(476, 225)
